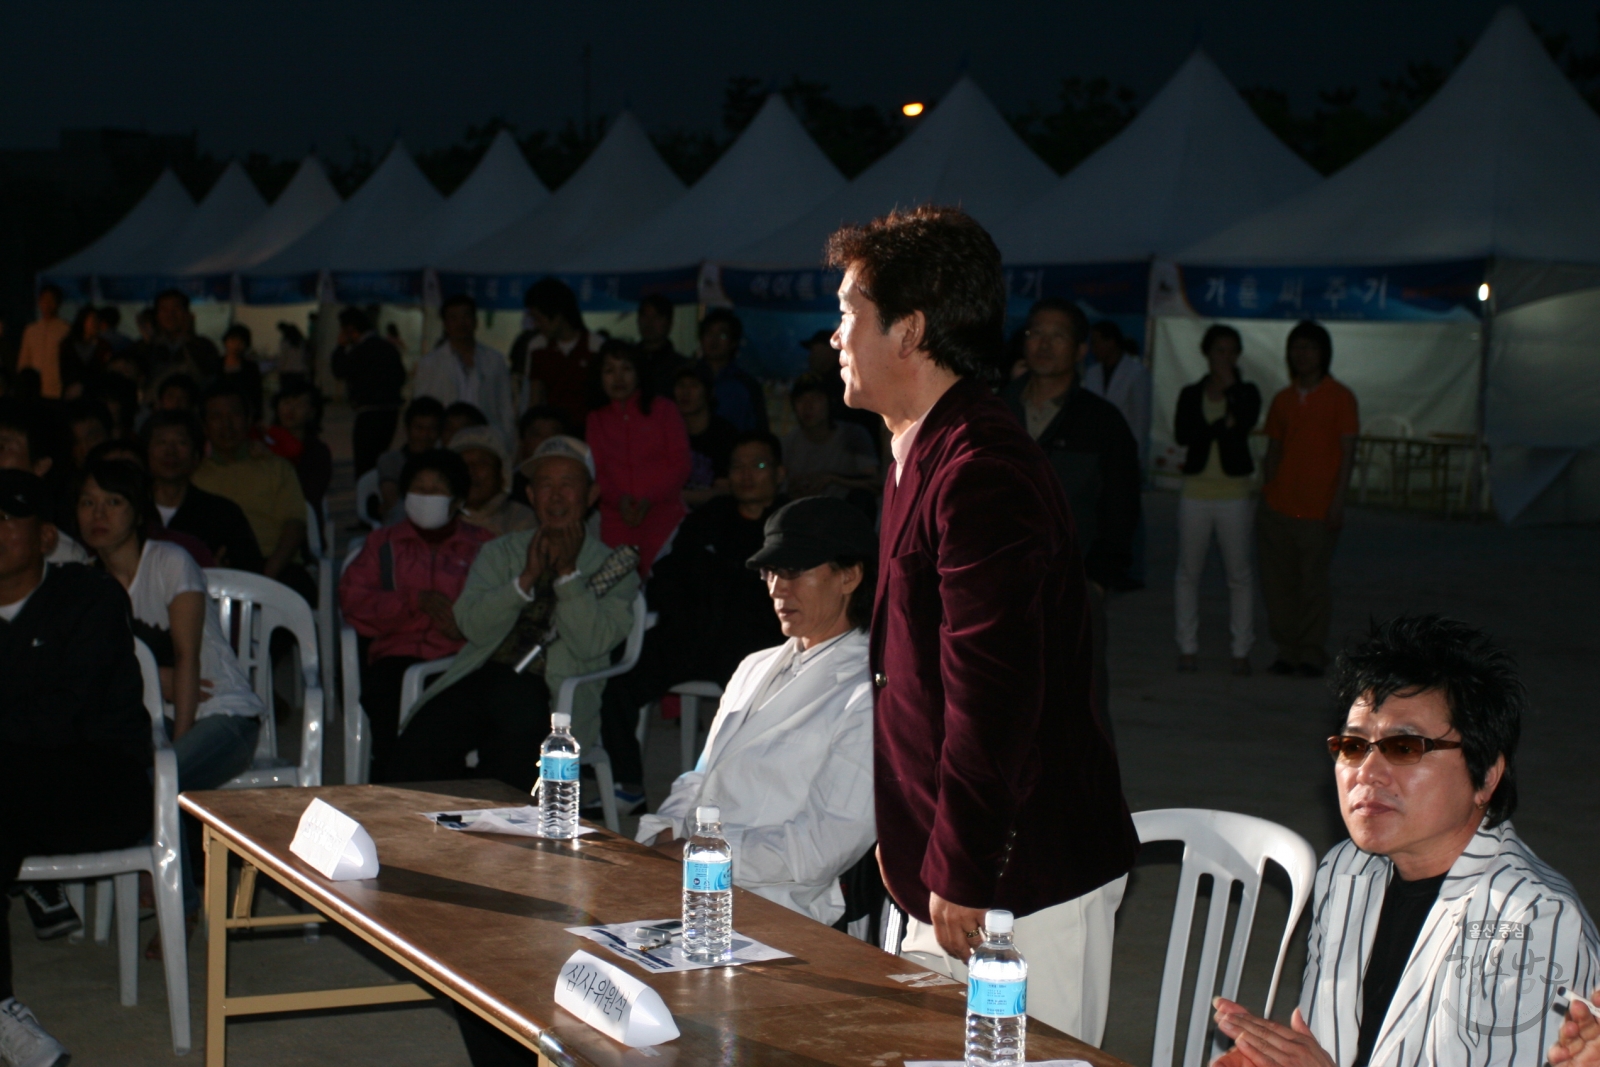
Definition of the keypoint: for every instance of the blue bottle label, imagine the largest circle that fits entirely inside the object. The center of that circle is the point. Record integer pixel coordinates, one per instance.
(708, 877)
(554, 768)
(998, 1000)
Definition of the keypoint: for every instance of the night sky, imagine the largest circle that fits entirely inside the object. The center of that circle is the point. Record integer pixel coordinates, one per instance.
(286, 75)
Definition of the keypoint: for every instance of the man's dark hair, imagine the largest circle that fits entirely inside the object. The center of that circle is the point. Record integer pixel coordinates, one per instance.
(1317, 334)
(293, 385)
(26, 418)
(1216, 332)
(85, 409)
(760, 437)
(190, 387)
(184, 420)
(448, 463)
(859, 610)
(356, 319)
(538, 412)
(423, 407)
(616, 349)
(227, 386)
(723, 315)
(1414, 654)
(469, 414)
(458, 300)
(129, 481)
(939, 261)
(171, 294)
(1062, 306)
(120, 449)
(1107, 329)
(554, 299)
(659, 304)
(239, 330)
(52, 287)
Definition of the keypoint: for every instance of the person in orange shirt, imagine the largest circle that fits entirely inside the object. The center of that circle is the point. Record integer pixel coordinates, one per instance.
(1311, 429)
(41, 343)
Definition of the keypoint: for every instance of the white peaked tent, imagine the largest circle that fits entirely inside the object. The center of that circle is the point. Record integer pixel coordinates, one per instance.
(1194, 161)
(770, 176)
(623, 182)
(305, 201)
(501, 189)
(396, 197)
(158, 215)
(1501, 166)
(231, 207)
(963, 152)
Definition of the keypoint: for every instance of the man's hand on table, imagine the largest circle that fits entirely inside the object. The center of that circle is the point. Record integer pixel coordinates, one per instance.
(1259, 1042)
(952, 923)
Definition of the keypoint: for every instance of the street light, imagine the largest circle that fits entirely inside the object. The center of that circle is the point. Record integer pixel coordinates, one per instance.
(1483, 293)
(911, 110)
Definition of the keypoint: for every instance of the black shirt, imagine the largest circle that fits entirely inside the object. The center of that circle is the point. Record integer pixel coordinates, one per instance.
(220, 525)
(372, 372)
(713, 445)
(1405, 909)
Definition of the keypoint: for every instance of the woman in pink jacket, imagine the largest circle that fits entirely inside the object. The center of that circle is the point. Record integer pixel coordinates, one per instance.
(400, 591)
(641, 457)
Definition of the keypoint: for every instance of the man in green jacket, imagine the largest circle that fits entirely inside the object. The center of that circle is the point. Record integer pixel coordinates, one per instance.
(556, 592)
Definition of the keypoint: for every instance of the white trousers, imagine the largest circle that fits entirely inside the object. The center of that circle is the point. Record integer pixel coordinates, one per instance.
(1068, 949)
(1233, 522)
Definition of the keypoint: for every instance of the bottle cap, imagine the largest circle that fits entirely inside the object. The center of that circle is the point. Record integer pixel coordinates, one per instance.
(998, 921)
(707, 813)
(560, 720)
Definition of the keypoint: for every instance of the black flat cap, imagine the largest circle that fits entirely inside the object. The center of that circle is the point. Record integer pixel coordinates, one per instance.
(816, 530)
(23, 494)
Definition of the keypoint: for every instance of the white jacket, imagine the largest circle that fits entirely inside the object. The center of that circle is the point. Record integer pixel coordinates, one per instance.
(793, 777)
(1505, 931)
(440, 376)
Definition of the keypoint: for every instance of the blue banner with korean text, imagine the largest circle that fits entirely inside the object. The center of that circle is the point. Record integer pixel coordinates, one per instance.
(1429, 292)
(1100, 288)
(595, 292)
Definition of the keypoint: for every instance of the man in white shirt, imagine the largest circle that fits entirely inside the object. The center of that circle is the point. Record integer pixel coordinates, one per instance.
(1120, 378)
(462, 369)
(789, 757)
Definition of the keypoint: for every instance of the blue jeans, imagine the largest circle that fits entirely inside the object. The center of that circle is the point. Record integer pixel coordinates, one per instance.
(215, 749)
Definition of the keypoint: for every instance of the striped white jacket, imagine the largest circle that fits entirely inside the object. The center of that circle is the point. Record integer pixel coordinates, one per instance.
(1505, 931)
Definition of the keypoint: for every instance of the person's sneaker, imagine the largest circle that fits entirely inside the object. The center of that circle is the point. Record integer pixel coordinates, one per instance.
(1282, 666)
(23, 1042)
(52, 913)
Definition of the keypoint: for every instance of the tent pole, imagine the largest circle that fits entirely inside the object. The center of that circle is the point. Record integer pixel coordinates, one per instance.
(1475, 477)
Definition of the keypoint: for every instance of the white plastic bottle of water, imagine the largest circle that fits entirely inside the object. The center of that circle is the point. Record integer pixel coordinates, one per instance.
(707, 890)
(558, 780)
(997, 998)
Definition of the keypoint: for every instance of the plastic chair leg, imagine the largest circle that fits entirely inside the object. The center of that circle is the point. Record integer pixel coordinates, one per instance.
(74, 893)
(175, 953)
(128, 937)
(689, 725)
(102, 911)
(643, 729)
(608, 793)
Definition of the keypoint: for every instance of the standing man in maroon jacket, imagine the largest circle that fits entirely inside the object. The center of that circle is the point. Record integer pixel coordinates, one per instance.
(995, 788)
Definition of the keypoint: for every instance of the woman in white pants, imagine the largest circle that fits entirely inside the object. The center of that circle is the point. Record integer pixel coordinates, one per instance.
(1214, 419)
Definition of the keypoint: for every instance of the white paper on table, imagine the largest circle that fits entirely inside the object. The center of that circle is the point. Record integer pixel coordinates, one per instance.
(334, 844)
(668, 958)
(523, 821)
(1031, 1063)
(613, 1001)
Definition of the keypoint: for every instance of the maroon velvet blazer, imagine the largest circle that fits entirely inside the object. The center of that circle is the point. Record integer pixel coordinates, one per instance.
(995, 787)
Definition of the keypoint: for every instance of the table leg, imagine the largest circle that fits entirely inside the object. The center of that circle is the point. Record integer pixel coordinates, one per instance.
(216, 949)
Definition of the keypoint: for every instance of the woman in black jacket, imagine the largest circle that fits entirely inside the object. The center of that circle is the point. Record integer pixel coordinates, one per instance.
(1214, 419)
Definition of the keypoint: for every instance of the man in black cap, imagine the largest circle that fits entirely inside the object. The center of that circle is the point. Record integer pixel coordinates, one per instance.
(74, 734)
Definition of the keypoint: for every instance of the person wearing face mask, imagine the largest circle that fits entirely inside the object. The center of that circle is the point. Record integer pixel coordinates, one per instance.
(400, 591)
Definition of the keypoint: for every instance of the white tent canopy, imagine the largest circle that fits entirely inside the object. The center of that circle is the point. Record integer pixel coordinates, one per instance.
(396, 197)
(623, 182)
(231, 206)
(963, 152)
(158, 215)
(501, 189)
(305, 201)
(1194, 161)
(770, 176)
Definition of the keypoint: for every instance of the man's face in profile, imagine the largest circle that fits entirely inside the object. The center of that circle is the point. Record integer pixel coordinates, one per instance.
(869, 355)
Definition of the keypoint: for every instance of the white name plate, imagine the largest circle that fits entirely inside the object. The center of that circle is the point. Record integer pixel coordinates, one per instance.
(613, 1001)
(334, 844)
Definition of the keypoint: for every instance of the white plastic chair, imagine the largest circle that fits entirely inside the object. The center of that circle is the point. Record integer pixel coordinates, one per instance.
(1229, 848)
(327, 586)
(251, 607)
(416, 678)
(689, 696)
(357, 727)
(366, 489)
(122, 866)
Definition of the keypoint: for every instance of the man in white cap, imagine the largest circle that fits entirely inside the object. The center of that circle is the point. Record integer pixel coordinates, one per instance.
(538, 607)
(489, 502)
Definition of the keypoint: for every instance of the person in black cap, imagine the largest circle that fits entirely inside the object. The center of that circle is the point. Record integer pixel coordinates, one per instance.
(74, 734)
(789, 758)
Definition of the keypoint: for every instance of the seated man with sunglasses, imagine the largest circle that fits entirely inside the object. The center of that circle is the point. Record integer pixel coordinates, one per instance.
(1437, 936)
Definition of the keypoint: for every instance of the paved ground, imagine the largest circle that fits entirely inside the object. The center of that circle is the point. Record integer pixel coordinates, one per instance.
(1206, 740)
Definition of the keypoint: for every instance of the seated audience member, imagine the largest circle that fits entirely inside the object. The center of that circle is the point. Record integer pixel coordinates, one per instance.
(711, 437)
(129, 452)
(25, 436)
(264, 486)
(120, 397)
(641, 452)
(463, 370)
(173, 347)
(536, 426)
(551, 361)
(179, 393)
(457, 417)
(424, 419)
(239, 365)
(789, 757)
(110, 321)
(824, 456)
(1425, 766)
(173, 445)
(400, 590)
(84, 351)
(1578, 1042)
(713, 611)
(557, 592)
(90, 424)
(738, 396)
(374, 378)
(488, 503)
(75, 737)
(660, 360)
(296, 435)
